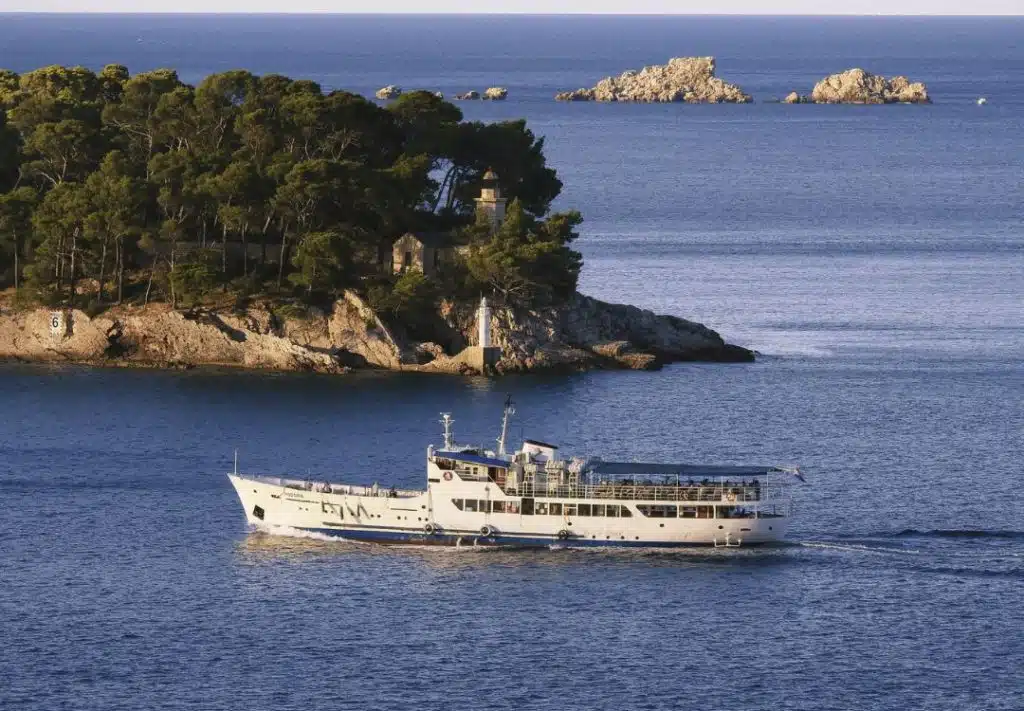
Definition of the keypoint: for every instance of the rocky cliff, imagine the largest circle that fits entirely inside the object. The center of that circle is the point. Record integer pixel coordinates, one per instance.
(587, 333)
(856, 86)
(689, 79)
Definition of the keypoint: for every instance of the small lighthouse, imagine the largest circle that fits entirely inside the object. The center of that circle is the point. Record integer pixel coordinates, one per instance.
(484, 355)
(483, 320)
(491, 204)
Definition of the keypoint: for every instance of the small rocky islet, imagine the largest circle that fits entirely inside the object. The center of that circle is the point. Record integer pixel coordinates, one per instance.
(857, 86)
(493, 93)
(683, 79)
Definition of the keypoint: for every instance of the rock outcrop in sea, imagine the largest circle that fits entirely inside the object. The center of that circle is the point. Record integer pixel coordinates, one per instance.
(586, 333)
(495, 93)
(857, 86)
(467, 96)
(687, 79)
(389, 92)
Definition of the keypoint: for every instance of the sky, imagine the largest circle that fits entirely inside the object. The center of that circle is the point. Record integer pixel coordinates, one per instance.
(717, 7)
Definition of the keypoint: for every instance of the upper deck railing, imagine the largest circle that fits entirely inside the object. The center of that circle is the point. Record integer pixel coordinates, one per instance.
(652, 492)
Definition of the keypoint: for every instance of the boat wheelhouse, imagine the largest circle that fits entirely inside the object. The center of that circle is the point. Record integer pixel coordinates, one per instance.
(533, 497)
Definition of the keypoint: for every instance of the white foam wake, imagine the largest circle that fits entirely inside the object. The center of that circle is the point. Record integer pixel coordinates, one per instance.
(290, 532)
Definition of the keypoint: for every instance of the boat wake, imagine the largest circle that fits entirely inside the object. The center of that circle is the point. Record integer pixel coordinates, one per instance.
(289, 532)
(958, 533)
(858, 547)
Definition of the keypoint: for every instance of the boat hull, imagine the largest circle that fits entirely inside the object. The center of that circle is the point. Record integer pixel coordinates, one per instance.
(468, 539)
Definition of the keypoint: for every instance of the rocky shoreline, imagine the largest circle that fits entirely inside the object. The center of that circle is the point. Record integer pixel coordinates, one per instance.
(585, 334)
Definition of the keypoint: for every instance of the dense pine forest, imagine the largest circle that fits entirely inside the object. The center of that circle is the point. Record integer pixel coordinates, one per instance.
(117, 188)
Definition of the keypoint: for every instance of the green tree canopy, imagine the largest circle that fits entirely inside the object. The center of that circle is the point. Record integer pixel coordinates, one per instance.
(116, 186)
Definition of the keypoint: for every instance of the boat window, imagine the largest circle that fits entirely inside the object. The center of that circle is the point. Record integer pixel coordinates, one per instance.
(584, 510)
(470, 505)
(458, 503)
(555, 509)
(540, 509)
(597, 510)
(657, 510)
(705, 511)
(483, 505)
(624, 512)
(735, 512)
(569, 509)
(687, 512)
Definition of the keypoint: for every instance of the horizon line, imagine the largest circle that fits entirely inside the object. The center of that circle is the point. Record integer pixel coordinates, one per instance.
(444, 13)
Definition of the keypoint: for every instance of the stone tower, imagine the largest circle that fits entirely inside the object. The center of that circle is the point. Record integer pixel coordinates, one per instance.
(491, 203)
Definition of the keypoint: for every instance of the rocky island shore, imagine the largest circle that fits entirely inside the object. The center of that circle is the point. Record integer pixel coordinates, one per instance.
(586, 333)
(682, 79)
(857, 86)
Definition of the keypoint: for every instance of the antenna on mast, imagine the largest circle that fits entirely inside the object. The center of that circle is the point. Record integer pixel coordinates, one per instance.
(509, 411)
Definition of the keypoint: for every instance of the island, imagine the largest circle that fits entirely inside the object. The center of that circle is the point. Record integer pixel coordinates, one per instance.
(258, 221)
(856, 86)
(682, 79)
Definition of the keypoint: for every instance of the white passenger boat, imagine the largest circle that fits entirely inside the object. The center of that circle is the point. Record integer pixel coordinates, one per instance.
(534, 497)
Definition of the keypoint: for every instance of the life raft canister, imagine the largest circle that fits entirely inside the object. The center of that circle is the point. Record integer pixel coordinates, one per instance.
(487, 531)
(563, 535)
(431, 528)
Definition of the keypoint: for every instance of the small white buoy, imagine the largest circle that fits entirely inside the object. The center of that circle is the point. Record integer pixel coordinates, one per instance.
(982, 101)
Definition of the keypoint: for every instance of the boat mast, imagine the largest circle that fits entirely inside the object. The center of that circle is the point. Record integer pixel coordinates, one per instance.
(446, 420)
(509, 411)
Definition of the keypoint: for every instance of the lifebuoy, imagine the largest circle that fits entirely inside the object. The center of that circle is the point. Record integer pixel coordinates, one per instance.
(563, 535)
(430, 529)
(730, 497)
(487, 531)
(447, 476)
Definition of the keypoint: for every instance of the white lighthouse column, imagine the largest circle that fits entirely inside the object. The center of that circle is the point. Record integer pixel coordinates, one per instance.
(483, 317)
(484, 355)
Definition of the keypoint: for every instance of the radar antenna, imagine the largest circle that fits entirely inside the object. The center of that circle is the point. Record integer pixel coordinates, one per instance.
(446, 420)
(509, 411)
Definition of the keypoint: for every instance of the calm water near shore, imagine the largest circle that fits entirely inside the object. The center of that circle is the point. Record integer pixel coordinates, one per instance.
(873, 255)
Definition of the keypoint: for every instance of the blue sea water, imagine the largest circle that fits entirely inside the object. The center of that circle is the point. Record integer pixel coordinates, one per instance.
(873, 255)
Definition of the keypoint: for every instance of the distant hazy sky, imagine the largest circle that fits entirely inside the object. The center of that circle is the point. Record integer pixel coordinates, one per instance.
(744, 7)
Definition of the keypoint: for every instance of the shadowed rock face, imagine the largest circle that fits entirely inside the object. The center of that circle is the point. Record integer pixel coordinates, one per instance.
(588, 333)
(584, 333)
(856, 86)
(686, 79)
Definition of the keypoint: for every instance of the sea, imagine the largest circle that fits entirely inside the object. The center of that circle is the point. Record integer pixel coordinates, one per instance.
(872, 255)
